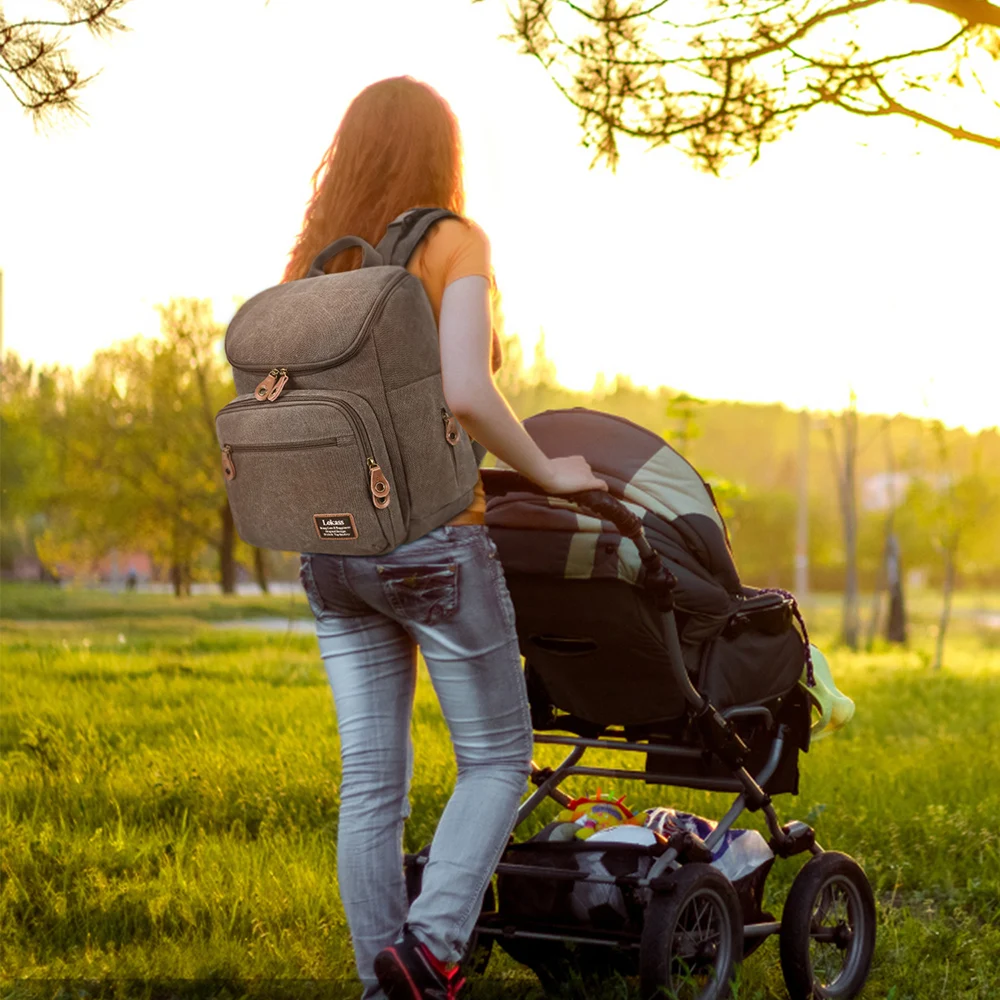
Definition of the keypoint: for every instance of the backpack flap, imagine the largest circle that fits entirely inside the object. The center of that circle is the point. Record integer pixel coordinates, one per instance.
(318, 322)
(308, 325)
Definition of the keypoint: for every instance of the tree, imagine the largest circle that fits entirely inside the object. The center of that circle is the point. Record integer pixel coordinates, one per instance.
(889, 574)
(845, 473)
(958, 514)
(682, 412)
(34, 65)
(141, 460)
(192, 340)
(726, 76)
(32, 403)
(118, 486)
(510, 378)
(762, 525)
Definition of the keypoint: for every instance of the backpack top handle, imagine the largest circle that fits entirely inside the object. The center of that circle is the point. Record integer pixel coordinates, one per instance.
(370, 257)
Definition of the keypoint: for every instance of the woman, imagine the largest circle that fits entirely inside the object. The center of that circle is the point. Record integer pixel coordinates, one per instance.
(396, 148)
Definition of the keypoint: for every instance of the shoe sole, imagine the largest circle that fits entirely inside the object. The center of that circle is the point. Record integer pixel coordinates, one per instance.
(394, 977)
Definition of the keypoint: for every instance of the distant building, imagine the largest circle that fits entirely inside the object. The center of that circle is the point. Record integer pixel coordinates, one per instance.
(117, 567)
(27, 568)
(884, 490)
(887, 489)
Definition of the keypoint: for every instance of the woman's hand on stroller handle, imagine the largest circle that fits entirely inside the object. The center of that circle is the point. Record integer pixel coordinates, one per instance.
(598, 501)
(571, 474)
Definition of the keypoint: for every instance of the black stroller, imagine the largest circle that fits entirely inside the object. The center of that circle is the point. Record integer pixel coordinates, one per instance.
(638, 636)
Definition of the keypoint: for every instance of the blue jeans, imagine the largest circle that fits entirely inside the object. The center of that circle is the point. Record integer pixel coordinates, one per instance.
(444, 592)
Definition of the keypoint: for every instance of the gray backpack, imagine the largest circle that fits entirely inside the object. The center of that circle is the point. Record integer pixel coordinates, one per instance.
(340, 440)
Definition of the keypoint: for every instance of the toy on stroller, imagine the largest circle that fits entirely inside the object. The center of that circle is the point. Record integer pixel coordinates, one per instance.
(638, 636)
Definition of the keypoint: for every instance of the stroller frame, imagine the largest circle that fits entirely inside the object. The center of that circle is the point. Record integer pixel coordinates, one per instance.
(793, 838)
(720, 740)
(786, 840)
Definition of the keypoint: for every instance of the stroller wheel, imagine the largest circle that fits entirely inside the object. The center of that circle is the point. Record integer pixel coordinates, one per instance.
(828, 929)
(692, 937)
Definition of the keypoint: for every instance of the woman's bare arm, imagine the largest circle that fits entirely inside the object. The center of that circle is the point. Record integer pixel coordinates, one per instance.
(466, 338)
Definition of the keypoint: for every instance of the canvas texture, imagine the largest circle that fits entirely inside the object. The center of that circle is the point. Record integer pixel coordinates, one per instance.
(355, 451)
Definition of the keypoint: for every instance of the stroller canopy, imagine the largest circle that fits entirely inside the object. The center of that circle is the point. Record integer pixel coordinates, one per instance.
(548, 536)
(592, 640)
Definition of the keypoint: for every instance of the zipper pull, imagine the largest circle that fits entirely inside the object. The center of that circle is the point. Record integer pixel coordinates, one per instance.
(265, 387)
(278, 386)
(228, 469)
(379, 485)
(452, 431)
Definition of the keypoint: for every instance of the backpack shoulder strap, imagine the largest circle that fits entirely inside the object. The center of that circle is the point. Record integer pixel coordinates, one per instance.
(404, 233)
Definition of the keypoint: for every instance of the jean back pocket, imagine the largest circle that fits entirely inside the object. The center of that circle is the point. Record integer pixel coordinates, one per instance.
(426, 594)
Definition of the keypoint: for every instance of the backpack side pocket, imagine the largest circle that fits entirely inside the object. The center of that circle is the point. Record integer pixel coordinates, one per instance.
(431, 465)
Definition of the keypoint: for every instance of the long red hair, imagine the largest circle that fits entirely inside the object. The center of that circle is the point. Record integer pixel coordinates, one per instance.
(397, 147)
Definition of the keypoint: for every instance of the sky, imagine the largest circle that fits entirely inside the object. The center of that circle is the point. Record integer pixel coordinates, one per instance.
(856, 254)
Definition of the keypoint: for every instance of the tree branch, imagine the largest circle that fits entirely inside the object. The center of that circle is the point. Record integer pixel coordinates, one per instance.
(17, 96)
(818, 18)
(868, 65)
(750, 82)
(893, 107)
(613, 18)
(98, 17)
(40, 78)
(970, 11)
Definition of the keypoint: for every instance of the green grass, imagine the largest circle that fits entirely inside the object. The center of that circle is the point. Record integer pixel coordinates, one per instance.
(26, 601)
(170, 800)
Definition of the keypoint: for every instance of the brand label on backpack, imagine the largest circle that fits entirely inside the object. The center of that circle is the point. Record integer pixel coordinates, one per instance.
(335, 525)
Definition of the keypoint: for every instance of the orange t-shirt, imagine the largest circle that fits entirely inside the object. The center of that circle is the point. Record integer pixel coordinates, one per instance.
(453, 249)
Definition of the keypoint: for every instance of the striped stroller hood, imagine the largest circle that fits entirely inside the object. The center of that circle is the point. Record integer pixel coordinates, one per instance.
(548, 536)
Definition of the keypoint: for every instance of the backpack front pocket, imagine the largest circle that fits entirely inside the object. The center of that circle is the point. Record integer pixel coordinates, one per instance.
(309, 472)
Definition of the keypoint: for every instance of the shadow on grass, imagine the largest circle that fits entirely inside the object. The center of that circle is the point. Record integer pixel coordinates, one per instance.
(227, 988)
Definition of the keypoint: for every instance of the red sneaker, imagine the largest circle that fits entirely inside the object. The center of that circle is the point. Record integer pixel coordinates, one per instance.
(407, 970)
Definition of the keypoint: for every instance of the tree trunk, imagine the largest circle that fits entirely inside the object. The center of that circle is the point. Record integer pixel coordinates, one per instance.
(260, 568)
(227, 544)
(895, 622)
(176, 562)
(895, 626)
(875, 614)
(949, 586)
(180, 577)
(851, 622)
(844, 474)
(802, 513)
(881, 584)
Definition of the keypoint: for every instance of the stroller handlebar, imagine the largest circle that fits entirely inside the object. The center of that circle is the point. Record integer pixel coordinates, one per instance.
(497, 482)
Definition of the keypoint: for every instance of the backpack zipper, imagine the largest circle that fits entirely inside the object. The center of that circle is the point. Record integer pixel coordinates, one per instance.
(287, 446)
(270, 388)
(229, 466)
(452, 434)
